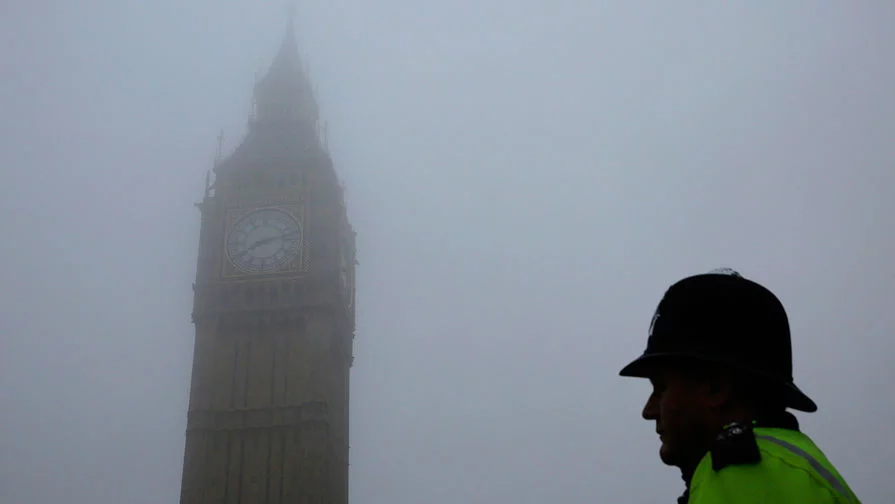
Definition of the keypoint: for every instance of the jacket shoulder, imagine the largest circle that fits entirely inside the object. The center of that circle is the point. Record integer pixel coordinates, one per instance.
(773, 479)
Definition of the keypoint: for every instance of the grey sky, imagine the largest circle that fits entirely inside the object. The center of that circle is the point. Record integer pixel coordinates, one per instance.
(525, 181)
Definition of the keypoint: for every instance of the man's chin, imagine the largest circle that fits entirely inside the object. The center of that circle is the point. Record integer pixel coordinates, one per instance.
(667, 456)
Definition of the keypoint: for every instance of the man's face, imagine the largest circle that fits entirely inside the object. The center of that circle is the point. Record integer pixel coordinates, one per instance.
(679, 404)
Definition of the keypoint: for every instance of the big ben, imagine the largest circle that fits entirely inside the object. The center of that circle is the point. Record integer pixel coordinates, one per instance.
(273, 310)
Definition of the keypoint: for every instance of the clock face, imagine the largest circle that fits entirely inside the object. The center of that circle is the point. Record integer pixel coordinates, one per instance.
(264, 241)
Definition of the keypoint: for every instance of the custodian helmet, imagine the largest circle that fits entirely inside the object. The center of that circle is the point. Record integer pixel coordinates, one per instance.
(724, 318)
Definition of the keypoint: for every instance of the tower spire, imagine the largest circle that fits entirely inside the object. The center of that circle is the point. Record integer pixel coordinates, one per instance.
(285, 92)
(289, 38)
(290, 26)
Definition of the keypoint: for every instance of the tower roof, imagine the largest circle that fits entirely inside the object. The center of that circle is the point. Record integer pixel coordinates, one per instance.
(284, 122)
(285, 94)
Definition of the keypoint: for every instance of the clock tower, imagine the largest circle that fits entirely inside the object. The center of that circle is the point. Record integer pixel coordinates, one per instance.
(273, 311)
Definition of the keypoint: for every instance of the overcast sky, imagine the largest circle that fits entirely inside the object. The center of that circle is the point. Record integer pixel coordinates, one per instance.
(525, 181)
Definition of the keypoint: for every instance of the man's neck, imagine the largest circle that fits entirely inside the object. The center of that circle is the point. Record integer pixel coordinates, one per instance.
(687, 476)
(688, 469)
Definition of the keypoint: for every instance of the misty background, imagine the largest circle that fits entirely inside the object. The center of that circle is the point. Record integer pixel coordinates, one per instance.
(526, 179)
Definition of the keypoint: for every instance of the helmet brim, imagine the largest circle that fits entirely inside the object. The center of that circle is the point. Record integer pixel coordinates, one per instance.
(645, 365)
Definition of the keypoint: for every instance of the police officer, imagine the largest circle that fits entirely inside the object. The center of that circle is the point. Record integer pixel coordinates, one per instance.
(719, 358)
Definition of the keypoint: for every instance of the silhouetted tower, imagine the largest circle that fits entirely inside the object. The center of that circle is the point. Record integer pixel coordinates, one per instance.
(273, 311)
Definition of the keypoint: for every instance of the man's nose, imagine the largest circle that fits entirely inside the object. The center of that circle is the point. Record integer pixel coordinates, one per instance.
(651, 409)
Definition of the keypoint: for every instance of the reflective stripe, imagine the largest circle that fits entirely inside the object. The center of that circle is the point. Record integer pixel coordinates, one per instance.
(817, 466)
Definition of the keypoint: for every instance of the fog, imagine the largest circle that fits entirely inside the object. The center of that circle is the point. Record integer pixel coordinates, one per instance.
(526, 179)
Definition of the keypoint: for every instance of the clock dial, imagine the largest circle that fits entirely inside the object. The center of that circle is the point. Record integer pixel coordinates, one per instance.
(264, 241)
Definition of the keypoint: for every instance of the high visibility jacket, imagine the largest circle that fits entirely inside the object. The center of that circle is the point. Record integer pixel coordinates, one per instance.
(792, 470)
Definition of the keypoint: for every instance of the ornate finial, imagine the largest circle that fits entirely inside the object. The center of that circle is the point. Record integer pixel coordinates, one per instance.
(291, 10)
(290, 19)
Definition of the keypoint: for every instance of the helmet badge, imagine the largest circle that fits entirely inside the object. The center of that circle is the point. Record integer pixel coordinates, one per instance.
(652, 324)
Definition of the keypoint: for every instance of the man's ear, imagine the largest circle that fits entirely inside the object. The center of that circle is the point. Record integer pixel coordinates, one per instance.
(719, 389)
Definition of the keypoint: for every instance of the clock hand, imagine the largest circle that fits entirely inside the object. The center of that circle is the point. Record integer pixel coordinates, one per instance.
(249, 248)
(265, 241)
(260, 242)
